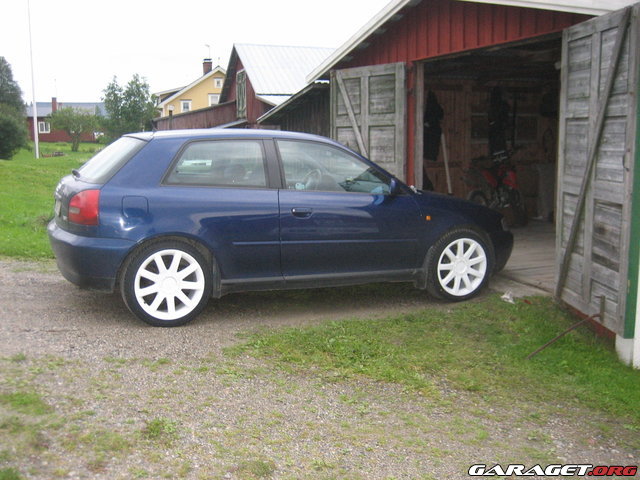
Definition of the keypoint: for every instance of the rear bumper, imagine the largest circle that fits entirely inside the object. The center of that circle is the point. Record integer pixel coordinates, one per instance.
(88, 262)
(503, 245)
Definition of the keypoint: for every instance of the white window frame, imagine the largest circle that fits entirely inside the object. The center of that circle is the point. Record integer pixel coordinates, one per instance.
(184, 103)
(218, 82)
(214, 99)
(44, 127)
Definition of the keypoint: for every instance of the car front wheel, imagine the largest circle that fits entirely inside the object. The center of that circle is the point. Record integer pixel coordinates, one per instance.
(459, 265)
(167, 284)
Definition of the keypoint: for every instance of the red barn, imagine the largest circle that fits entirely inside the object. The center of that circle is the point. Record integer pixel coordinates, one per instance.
(565, 75)
(45, 109)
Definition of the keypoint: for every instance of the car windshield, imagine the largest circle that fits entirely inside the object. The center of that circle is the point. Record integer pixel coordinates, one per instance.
(102, 166)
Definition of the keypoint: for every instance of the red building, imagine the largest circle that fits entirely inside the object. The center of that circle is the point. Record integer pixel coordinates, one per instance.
(44, 111)
(258, 78)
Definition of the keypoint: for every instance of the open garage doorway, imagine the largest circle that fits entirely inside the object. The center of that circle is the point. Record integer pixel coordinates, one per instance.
(503, 98)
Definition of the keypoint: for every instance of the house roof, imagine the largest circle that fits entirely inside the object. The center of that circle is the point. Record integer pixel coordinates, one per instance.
(45, 109)
(392, 12)
(217, 69)
(275, 72)
(163, 95)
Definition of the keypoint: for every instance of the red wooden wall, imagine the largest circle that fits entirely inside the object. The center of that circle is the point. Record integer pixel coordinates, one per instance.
(55, 135)
(439, 27)
(209, 117)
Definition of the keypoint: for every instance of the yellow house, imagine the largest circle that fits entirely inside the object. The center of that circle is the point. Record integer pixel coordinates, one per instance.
(202, 93)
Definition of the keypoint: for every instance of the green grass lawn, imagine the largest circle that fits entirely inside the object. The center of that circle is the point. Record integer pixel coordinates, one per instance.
(26, 197)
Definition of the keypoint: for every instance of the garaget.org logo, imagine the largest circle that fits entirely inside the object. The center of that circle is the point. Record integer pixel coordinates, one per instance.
(555, 470)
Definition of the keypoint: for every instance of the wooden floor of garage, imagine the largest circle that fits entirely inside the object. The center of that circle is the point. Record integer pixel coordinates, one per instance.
(534, 255)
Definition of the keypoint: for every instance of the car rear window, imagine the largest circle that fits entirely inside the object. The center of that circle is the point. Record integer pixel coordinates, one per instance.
(220, 163)
(102, 166)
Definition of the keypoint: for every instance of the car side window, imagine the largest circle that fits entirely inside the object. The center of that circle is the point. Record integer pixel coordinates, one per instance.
(220, 163)
(319, 167)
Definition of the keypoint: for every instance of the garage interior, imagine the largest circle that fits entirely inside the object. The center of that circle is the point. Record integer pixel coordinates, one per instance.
(528, 74)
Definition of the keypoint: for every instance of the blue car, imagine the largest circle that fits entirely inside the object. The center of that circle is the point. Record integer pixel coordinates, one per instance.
(174, 218)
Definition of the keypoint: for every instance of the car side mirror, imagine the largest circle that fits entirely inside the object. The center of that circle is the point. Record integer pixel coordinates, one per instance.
(394, 188)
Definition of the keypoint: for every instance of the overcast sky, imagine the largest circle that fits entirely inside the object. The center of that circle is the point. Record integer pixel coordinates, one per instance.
(79, 45)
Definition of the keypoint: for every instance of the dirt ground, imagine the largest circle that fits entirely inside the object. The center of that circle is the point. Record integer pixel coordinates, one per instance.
(107, 379)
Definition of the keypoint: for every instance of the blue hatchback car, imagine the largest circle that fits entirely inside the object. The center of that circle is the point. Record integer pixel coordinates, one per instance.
(173, 218)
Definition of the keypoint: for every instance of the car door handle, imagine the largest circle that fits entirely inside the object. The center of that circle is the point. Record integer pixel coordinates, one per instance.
(301, 212)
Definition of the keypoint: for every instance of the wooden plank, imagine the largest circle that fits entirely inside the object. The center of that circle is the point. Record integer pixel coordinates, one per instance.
(629, 167)
(533, 259)
(593, 147)
(365, 110)
(381, 94)
(595, 101)
(400, 122)
(382, 146)
(418, 136)
(562, 149)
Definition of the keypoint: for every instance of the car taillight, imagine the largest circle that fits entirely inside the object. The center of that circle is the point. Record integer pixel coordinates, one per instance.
(83, 207)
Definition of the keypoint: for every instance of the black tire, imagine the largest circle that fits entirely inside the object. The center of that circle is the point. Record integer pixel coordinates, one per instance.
(466, 277)
(477, 196)
(167, 284)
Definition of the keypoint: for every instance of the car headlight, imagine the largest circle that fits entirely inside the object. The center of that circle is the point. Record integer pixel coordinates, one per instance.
(504, 224)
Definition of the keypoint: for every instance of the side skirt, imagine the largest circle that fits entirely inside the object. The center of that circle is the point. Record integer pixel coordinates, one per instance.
(320, 281)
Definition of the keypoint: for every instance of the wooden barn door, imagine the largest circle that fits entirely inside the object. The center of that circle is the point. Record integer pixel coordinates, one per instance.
(368, 113)
(595, 165)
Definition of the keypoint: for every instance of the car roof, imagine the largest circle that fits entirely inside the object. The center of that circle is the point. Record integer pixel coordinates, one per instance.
(226, 133)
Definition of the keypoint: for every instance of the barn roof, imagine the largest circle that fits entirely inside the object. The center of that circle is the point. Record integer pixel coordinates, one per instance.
(275, 72)
(45, 108)
(392, 12)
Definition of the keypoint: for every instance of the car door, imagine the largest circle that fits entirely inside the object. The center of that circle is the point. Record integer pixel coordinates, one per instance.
(218, 191)
(338, 218)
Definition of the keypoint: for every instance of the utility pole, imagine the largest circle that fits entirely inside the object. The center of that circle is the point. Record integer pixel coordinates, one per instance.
(34, 109)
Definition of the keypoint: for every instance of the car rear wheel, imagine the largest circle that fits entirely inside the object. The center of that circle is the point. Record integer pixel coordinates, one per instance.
(478, 197)
(167, 284)
(459, 265)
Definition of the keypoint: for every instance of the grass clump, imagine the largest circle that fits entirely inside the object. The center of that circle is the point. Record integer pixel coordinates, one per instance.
(29, 403)
(256, 468)
(10, 474)
(160, 429)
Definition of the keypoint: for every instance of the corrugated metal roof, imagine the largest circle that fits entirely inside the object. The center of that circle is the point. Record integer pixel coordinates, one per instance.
(586, 7)
(393, 8)
(279, 70)
(274, 100)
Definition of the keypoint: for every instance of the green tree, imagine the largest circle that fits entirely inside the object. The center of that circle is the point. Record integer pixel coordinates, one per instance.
(75, 122)
(13, 128)
(129, 109)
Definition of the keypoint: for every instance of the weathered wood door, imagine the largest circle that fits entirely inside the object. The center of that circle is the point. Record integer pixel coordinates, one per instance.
(598, 109)
(368, 113)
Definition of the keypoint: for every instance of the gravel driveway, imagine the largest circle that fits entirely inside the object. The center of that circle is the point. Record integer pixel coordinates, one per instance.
(120, 399)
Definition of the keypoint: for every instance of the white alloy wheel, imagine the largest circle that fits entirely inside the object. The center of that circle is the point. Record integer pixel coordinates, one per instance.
(462, 267)
(169, 284)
